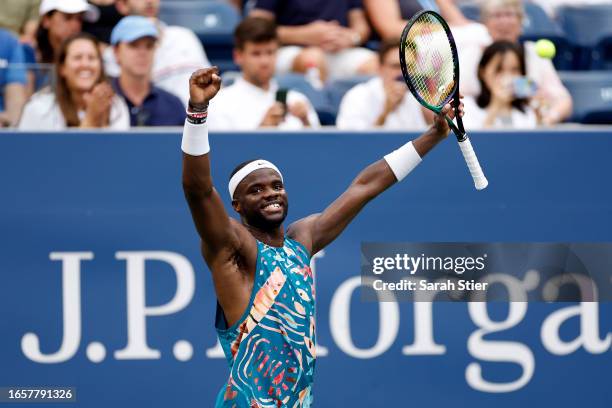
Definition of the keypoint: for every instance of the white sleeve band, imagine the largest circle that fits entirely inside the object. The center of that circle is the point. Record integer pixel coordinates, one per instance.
(195, 139)
(403, 160)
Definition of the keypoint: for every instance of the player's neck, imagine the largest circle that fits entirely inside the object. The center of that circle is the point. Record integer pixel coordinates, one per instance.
(274, 237)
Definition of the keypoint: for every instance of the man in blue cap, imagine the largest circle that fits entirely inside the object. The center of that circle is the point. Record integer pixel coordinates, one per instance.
(134, 40)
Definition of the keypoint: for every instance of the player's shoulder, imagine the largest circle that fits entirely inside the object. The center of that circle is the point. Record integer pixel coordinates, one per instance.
(301, 230)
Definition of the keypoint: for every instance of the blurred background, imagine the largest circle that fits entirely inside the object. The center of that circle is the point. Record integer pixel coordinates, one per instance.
(103, 286)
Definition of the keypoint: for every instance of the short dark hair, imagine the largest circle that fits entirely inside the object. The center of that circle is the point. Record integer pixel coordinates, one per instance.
(255, 30)
(386, 46)
(500, 47)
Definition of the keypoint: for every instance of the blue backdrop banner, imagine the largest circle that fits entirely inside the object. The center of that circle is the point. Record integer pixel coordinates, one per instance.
(104, 290)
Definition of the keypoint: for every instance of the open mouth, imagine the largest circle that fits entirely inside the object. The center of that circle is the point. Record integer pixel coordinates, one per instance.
(273, 206)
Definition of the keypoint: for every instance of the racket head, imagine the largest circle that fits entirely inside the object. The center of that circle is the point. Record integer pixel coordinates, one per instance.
(429, 60)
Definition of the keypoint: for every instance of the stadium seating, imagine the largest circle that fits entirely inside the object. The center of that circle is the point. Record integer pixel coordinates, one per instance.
(537, 25)
(212, 21)
(318, 98)
(592, 95)
(590, 29)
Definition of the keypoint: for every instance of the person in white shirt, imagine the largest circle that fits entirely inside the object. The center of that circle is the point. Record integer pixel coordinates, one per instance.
(498, 106)
(503, 20)
(255, 100)
(384, 101)
(179, 51)
(82, 96)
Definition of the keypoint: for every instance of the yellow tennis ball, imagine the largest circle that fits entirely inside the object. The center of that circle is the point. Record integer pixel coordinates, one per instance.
(545, 49)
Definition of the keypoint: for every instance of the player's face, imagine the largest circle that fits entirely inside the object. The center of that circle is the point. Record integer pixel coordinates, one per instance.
(503, 23)
(257, 61)
(83, 67)
(390, 68)
(136, 58)
(261, 199)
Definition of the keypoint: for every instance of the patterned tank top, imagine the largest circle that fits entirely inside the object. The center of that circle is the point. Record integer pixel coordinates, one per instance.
(271, 348)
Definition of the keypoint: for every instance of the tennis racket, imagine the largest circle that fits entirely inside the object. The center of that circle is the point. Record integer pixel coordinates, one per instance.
(430, 66)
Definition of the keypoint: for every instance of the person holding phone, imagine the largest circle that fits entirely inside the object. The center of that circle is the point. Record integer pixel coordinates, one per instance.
(505, 91)
(254, 100)
(383, 101)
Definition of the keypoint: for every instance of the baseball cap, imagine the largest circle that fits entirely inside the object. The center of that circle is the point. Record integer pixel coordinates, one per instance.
(71, 7)
(131, 28)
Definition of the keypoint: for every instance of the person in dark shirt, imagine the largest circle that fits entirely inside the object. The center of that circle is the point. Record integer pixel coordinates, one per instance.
(321, 36)
(134, 39)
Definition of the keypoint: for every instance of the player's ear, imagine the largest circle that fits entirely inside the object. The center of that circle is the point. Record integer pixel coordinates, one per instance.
(236, 205)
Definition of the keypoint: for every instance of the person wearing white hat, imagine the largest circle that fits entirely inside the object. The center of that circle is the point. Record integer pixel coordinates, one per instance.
(60, 19)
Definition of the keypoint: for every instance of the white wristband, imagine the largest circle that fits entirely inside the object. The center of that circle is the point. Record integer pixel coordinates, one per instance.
(403, 160)
(195, 139)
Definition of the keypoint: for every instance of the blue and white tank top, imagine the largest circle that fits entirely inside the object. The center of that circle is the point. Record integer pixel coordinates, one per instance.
(271, 348)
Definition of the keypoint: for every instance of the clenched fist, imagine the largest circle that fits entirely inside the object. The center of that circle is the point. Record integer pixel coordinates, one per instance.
(203, 86)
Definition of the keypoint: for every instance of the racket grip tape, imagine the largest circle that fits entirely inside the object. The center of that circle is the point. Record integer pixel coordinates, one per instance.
(480, 181)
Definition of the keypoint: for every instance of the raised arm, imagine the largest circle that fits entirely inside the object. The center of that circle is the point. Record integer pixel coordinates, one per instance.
(319, 230)
(211, 220)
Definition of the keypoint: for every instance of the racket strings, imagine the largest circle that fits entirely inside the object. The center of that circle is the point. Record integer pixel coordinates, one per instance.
(429, 60)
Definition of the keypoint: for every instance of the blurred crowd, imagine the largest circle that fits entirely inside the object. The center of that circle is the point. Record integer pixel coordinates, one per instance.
(115, 64)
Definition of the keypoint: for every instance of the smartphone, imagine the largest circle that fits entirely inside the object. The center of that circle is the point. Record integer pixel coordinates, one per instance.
(281, 96)
(523, 87)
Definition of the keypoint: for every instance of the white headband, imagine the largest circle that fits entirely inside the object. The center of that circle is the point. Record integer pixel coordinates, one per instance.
(248, 169)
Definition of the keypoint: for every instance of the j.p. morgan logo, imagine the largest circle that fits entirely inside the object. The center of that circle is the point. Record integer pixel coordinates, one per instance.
(479, 345)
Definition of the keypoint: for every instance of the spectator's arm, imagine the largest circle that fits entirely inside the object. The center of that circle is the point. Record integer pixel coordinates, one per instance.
(358, 23)
(452, 13)
(28, 31)
(386, 17)
(14, 100)
(237, 4)
(298, 35)
(559, 98)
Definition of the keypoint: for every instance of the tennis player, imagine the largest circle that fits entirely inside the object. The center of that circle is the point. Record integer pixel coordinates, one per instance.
(264, 285)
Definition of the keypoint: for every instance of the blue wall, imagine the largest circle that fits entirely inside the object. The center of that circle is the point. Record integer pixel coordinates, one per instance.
(94, 195)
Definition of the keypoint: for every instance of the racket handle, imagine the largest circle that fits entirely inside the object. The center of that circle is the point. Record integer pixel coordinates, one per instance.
(480, 181)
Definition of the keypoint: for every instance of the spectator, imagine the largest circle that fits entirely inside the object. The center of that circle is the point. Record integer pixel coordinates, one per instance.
(60, 19)
(20, 17)
(497, 105)
(82, 98)
(109, 17)
(178, 54)
(503, 21)
(12, 79)
(383, 101)
(134, 40)
(389, 17)
(320, 35)
(251, 102)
